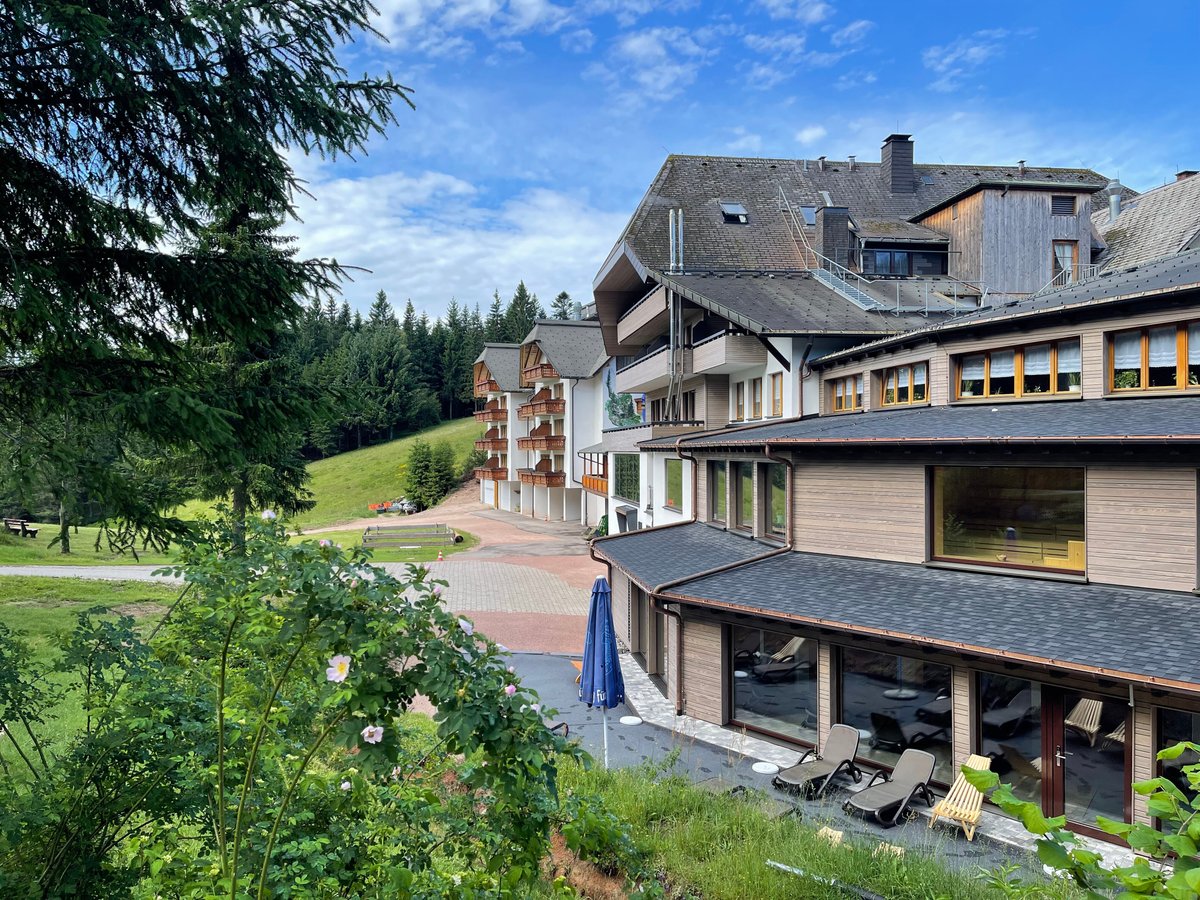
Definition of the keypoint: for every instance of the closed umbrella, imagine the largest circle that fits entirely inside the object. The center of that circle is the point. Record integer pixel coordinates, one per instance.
(600, 681)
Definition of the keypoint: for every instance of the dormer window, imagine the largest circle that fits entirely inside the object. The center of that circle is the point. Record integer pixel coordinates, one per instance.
(734, 214)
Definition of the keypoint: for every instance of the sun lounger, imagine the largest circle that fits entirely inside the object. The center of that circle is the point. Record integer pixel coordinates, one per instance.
(1114, 737)
(814, 771)
(783, 662)
(1006, 720)
(889, 734)
(888, 799)
(964, 803)
(1084, 719)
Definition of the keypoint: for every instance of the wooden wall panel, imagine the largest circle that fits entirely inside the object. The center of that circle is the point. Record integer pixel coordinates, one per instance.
(825, 701)
(963, 222)
(672, 677)
(848, 509)
(1143, 754)
(703, 685)
(700, 473)
(1141, 526)
(960, 687)
(621, 606)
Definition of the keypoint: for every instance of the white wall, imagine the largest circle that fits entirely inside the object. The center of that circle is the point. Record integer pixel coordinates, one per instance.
(585, 412)
(654, 479)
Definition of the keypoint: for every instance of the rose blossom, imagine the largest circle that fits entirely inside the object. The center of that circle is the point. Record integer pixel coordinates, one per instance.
(339, 668)
(373, 734)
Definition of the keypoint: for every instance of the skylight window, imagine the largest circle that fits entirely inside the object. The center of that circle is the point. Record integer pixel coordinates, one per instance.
(926, 179)
(810, 214)
(734, 214)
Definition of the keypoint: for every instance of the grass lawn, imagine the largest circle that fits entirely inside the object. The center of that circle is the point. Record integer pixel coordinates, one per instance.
(717, 847)
(394, 554)
(44, 608)
(17, 551)
(345, 484)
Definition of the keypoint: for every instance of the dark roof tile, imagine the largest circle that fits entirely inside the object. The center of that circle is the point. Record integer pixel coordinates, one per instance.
(656, 556)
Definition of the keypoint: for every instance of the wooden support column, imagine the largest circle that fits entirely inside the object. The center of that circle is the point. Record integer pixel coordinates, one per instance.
(960, 711)
(824, 690)
(1143, 753)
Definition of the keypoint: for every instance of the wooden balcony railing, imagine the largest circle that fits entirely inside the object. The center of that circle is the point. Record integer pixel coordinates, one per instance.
(492, 445)
(483, 388)
(543, 442)
(542, 408)
(540, 372)
(491, 415)
(542, 479)
(596, 484)
(491, 473)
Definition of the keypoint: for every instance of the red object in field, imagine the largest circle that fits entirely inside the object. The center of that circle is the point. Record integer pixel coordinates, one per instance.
(440, 557)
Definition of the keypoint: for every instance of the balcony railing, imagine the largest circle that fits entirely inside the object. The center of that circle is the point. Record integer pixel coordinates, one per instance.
(596, 484)
(495, 414)
(492, 445)
(1067, 277)
(652, 371)
(550, 407)
(543, 442)
(727, 353)
(540, 372)
(483, 388)
(644, 319)
(542, 479)
(491, 473)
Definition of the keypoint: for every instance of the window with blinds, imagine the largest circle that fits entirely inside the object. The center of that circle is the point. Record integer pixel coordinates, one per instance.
(1047, 368)
(1162, 357)
(902, 385)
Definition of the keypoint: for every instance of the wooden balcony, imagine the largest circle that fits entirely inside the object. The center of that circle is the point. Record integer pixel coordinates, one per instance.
(492, 415)
(727, 353)
(542, 479)
(492, 445)
(540, 372)
(549, 407)
(596, 484)
(491, 473)
(652, 371)
(543, 442)
(483, 388)
(645, 320)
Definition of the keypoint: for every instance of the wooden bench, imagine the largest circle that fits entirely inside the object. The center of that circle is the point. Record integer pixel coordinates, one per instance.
(20, 527)
(426, 535)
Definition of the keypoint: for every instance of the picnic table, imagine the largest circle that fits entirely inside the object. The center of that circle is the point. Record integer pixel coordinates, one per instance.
(422, 535)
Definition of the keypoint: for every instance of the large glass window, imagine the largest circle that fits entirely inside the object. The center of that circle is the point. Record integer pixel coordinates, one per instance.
(627, 476)
(777, 394)
(847, 393)
(1023, 517)
(756, 398)
(775, 682)
(775, 497)
(1049, 368)
(674, 473)
(743, 500)
(1009, 728)
(716, 491)
(1159, 358)
(739, 407)
(887, 262)
(905, 384)
(897, 702)
(1175, 726)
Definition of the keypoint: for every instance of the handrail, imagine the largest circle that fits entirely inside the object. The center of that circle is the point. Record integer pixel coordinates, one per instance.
(830, 266)
(1079, 272)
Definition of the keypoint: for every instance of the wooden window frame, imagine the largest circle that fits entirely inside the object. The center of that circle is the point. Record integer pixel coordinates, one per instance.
(911, 367)
(667, 504)
(1181, 360)
(756, 397)
(739, 393)
(1018, 351)
(776, 394)
(852, 396)
(1074, 245)
(713, 464)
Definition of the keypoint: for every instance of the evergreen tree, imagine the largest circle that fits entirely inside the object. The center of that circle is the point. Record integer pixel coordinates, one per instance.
(562, 307)
(381, 314)
(523, 311)
(495, 330)
(418, 475)
(443, 470)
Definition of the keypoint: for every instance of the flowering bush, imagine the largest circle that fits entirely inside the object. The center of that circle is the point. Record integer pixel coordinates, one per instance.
(258, 746)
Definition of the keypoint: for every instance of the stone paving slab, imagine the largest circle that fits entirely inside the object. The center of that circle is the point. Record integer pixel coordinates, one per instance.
(501, 587)
(98, 573)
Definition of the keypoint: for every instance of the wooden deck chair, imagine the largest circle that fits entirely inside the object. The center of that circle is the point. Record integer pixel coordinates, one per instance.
(964, 803)
(1116, 736)
(783, 662)
(1085, 719)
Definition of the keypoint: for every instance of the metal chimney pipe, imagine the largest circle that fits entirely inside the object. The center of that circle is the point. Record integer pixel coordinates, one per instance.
(1020, 167)
(851, 158)
(805, 162)
(679, 242)
(1114, 200)
(671, 241)
(821, 163)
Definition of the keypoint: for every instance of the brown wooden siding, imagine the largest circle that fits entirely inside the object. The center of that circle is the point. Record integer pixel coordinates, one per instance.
(1141, 526)
(715, 410)
(700, 473)
(960, 687)
(702, 671)
(848, 509)
(825, 702)
(964, 225)
(1144, 766)
(621, 606)
(672, 676)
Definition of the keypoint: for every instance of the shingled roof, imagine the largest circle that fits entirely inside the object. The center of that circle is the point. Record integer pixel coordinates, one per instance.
(1141, 420)
(1097, 628)
(575, 349)
(655, 556)
(504, 362)
(699, 184)
(1157, 223)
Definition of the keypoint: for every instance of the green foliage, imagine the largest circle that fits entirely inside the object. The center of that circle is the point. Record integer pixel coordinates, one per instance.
(258, 745)
(1153, 873)
(523, 311)
(562, 306)
(430, 473)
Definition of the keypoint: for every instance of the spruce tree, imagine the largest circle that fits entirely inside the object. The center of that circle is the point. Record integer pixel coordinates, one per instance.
(494, 328)
(562, 307)
(381, 314)
(523, 311)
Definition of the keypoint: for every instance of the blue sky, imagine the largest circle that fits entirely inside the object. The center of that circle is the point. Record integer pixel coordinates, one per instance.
(540, 124)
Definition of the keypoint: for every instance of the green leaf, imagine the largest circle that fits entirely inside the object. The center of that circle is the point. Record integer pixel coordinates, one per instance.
(1181, 844)
(1054, 855)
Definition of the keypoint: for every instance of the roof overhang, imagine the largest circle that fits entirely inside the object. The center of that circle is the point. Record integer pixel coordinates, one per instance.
(1007, 184)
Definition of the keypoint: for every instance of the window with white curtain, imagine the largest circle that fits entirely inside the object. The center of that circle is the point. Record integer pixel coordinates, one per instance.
(1039, 369)
(1161, 357)
(903, 385)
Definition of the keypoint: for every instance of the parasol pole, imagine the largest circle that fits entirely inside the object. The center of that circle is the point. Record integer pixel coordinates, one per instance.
(604, 725)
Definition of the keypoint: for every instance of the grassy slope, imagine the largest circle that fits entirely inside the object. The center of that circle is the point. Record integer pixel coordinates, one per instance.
(344, 484)
(17, 551)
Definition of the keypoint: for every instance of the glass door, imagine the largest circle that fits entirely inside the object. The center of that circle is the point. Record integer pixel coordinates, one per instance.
(1090, 770)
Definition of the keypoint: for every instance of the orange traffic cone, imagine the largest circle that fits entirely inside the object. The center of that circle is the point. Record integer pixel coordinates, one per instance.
(440, 557)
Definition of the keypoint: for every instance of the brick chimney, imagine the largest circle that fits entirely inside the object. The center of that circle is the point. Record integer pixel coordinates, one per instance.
(834, 240)
(1185, 174)
(897, 163)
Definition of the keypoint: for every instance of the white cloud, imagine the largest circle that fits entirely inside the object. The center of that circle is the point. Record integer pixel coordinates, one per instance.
(852, 33)
(744, 142)
(654, 65)
(777, 46)
(764, 76)
(858, 78)
(580, 40)
(808, 11)
(423, 24)
(810, 134)
(953, 62)
(432, 236)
